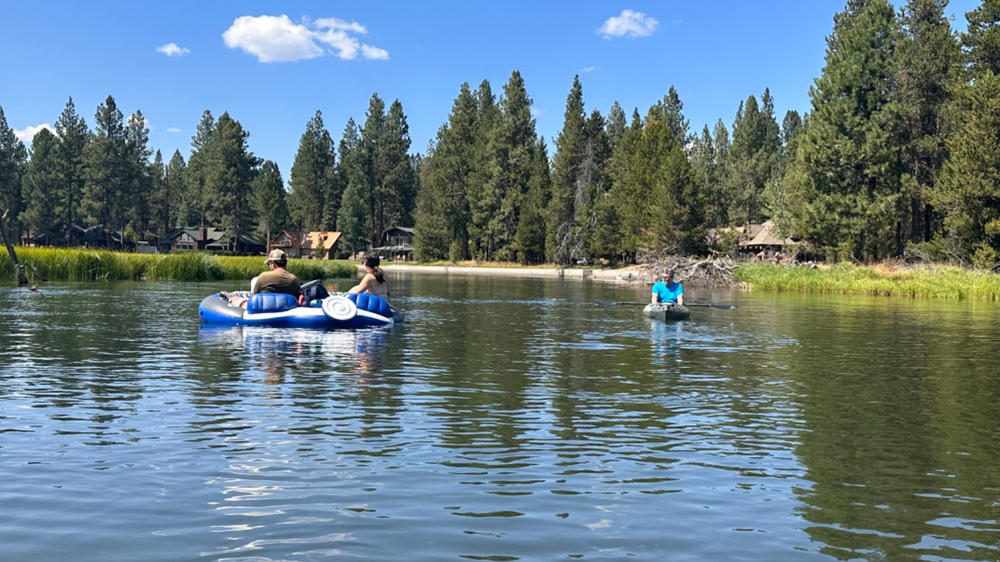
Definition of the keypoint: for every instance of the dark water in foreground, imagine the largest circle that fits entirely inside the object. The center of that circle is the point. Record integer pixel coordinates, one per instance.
(506, 420)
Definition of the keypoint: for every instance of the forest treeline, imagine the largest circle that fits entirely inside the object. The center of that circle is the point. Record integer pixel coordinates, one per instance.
(898, 156)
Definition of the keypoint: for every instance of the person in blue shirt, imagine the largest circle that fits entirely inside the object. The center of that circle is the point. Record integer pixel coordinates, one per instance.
(666, 290)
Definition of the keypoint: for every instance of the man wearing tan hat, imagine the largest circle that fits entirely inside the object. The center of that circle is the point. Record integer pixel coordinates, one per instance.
(278, 279)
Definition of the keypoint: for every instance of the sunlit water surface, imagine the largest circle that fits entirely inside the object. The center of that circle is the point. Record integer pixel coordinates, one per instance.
(504, 420)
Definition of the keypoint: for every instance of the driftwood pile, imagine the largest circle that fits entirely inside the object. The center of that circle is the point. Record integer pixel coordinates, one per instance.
(696, 272)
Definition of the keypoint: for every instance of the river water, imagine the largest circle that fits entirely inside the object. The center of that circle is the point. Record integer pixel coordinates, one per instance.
(522, 419)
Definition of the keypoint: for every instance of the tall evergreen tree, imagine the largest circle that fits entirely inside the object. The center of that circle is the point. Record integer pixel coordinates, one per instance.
(753, 158)
(982, 37)
(315, 193)
(42, 186)
(791, 126)
(845, 179)
(484, 186)
(967, 191)
(397, 187)
(705, 164)
(175, 187)
(13, 156)
(615, 125)
(927, 61)
(160, 199)
(194, 211)
(229, 171)
(107, 164)
(73, 135)
(269, 201)
(137, 183)
(529, 239)
(562, 241)
(432, 233)
(660, 206)
(515, 167)
(445, 185)
(351, 173)
(670, 109)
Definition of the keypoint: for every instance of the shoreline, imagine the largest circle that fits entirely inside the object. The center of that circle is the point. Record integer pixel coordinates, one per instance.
(625, 275)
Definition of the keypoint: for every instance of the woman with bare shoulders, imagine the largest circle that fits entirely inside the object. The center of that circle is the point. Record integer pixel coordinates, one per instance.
(373, 282)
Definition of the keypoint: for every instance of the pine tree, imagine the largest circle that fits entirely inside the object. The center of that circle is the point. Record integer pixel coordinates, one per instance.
(175, 186)
(967, 191)
(753, 158)
(659, 204)
(445, 181)
(927, 59)
(529, 239)
(982, 37)
(844, 182)
(41, 187)
(670, 109)
(269, 201)
(137, 184)
(432, 234)
(159, 198)
(705, 164)
(562, 242)
(791, 126)
(515, 166)
(107, 164)
(194, 210)
(229, 170)
(615, 125)
(73, 136)
(484, 186)
(315, 193)
(13, 156)
(351, 174)
(397, 188)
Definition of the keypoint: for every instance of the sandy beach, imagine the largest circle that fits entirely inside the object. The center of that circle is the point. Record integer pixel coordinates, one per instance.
(624, 275)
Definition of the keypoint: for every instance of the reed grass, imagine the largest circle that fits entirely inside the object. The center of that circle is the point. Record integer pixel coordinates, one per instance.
(72, 264)
(934, 281)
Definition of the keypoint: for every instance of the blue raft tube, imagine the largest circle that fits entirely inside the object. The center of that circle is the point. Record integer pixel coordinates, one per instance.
(341, 310)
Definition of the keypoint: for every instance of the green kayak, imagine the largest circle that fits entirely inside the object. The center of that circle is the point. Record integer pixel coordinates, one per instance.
(666, 311)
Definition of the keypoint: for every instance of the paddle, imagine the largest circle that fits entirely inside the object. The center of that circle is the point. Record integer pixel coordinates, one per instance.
(719, 306)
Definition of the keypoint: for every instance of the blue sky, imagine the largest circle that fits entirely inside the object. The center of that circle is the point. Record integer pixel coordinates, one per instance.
(271, 65)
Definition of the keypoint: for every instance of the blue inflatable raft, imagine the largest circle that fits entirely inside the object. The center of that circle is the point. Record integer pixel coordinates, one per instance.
(276, 309)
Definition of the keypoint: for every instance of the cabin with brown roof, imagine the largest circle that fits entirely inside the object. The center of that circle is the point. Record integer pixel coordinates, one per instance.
(764, 241)
(307, 244)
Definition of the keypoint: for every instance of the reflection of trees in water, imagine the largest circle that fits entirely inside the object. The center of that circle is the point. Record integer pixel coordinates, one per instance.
(900, 464)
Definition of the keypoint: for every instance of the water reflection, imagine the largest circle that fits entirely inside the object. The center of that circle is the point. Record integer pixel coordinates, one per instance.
(665, 339)
(506, 419)
(273, 349)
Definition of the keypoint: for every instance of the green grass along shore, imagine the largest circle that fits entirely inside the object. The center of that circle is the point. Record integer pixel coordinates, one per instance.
(68, 264)
(933, 281)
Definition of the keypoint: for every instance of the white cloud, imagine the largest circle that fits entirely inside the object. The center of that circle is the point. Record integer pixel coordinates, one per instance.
(174, 130)
(173, 50)
(278, 39)
(629, 24)
(339, 24)
(535, 112)
(588, 69)
(374, 53)
(28, 133)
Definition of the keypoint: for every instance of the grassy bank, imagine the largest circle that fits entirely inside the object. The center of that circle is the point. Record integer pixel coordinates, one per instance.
(925, 281)
(70, 264)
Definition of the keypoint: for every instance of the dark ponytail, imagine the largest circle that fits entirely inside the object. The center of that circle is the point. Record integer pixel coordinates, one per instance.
(374, 262)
